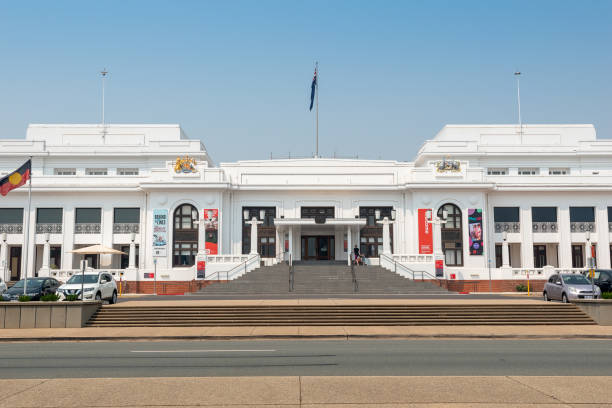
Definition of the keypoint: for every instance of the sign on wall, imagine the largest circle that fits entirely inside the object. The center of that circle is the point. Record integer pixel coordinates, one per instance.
(475, 229)
(211, 230)
(160, 232)
(425, 231)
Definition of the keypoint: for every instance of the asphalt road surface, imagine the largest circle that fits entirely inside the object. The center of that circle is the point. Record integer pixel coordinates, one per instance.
(312, 358)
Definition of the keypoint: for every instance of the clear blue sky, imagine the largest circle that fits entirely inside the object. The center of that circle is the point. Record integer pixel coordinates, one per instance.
(237, 74)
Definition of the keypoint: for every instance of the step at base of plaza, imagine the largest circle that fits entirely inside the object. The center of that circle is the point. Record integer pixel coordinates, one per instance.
(340, 315)
(315, 279)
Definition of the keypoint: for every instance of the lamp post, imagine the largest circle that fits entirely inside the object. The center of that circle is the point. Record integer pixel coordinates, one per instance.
(132, 259)
(437, 238)
(46, 253)
(253, 223)
(505, 251)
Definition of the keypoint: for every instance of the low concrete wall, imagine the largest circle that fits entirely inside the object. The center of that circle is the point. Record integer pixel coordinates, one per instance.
(599, 310)
(30, 315)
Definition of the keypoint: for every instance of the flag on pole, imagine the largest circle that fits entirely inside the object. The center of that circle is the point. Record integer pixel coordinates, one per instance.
(312, 89)
(16, 179)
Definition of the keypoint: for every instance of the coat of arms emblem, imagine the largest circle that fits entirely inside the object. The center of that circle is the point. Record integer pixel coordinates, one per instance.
(448, 165)
(185, 165)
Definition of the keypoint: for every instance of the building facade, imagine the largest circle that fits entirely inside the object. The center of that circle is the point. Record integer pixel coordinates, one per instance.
(480, 207)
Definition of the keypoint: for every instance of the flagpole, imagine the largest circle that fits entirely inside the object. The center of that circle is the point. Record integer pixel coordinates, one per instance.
(317, 96)
(26, 238)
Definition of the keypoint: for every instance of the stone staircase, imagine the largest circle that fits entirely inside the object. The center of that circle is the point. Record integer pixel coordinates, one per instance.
(326, 278)
(341, 315)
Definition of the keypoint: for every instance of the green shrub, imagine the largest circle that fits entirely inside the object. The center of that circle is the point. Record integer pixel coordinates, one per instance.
(72, 298)
(606, 295)
(51, 297)
(24, 298)
(521, 288)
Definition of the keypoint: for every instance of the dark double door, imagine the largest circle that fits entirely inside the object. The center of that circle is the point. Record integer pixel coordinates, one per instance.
(319, 248)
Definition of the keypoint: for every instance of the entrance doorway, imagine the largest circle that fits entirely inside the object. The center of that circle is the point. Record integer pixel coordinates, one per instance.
(15, 262)
(319, 247)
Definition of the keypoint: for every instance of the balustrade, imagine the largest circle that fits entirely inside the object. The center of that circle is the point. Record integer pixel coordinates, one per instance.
(582, 226)
(544, 227)
(49, 228)
(507, 227)
(87, 228)
(11, 228)
(126, 228)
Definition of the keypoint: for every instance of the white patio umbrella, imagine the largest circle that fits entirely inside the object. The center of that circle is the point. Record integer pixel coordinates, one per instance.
(93, 250)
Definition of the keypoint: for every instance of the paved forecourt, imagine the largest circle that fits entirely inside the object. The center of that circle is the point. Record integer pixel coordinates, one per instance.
(340, 392)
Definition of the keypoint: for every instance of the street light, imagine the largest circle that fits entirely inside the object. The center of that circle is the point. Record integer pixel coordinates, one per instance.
(377, 213)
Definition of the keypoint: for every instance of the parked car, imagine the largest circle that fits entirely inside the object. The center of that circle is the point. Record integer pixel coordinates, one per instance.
(602, 278)
(566, 287)
(96, 285)
(3, 286)
(35, 288)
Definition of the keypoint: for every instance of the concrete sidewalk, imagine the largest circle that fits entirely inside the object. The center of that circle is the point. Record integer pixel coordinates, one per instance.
(345, 392)
(307, 332)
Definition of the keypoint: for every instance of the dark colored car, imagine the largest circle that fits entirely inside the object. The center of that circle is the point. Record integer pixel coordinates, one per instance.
(603, 279)
(35, 288)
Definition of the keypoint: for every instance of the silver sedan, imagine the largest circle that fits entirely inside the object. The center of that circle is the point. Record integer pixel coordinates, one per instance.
(566, 287)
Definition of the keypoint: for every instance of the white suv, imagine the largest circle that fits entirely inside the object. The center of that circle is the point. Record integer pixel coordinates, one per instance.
(96, 285)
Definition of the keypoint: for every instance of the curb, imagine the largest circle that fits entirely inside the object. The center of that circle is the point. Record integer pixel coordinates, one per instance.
(318, 337)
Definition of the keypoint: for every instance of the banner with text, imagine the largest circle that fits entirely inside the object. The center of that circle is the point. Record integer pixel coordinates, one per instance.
(425, 231)
(475, 227)
(160, 232)
(211, 230)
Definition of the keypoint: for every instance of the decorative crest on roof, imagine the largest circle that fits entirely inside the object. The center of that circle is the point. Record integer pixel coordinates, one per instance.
(445, 165)
(185, 165)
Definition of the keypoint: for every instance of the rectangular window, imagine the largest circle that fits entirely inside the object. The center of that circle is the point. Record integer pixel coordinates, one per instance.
(528, 171)
(498, 256)
(64, 172)
(582, 214)
(506, 214)
(544, 214)
(558, 171)
(49, 215)
(497, 171)
(127, 172)
(316, 212)
(11, 215)
(126, 216)
(609, 214)
(96, 172)
(88, 215)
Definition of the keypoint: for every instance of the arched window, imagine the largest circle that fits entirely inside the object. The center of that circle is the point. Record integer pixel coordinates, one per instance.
(185, 236)
(452, 235)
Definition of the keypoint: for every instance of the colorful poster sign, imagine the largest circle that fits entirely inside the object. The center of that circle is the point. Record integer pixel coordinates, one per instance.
(439, 268)
(160, 232)
(211, 230)
(425, 231)
(201, 269)
(475, 230)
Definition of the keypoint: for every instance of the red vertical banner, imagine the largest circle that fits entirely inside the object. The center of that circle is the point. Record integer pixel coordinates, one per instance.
(211, 230)
(425, 231)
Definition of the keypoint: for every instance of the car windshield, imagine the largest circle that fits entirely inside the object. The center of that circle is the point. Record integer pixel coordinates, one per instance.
(575, 280)
(78, 279)
(32, 283)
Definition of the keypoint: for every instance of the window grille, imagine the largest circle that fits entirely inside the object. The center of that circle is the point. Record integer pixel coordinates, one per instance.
(127, 172)
(96, 172)
(497, 171)
(64, 172)
(558, 171)
(528, 171)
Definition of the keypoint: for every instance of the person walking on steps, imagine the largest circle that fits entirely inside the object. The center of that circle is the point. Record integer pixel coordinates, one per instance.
(358, 260)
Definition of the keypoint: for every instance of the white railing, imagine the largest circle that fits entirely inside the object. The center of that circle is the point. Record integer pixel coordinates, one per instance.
(413, 258)
(63, 275)
(251, 263)
(389, 262)
(542, 273)
(226, 258)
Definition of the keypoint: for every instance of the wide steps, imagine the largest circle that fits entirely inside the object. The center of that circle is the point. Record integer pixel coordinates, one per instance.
(348, 315)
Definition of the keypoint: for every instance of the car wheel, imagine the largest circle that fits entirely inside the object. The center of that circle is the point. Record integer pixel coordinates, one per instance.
(546, 298)
(98, 296)
(564, 298)
(113, 298)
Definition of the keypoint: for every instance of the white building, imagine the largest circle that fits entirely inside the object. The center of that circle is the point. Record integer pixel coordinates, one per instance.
(544, 193)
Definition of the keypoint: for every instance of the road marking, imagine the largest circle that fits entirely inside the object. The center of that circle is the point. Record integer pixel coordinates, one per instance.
(202, 351)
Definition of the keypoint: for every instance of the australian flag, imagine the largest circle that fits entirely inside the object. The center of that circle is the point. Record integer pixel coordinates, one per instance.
(312, 89)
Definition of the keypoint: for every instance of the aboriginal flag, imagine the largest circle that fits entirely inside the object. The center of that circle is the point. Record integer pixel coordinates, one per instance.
(16, 179)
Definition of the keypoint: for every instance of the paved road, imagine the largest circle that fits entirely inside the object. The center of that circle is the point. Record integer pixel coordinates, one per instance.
(307, 358)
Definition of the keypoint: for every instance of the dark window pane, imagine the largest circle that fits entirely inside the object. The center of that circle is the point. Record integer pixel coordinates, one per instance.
(88, 215)
(544, 214)
(11, 215)
(49, 215)
(582, 214)
(506, 214)
(609, 214)
(127, 215)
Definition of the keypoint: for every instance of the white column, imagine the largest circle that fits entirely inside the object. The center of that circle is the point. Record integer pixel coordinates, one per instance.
(132, 260)
(291, 242)
(201, 233)
(253, 236)
(4, 258)
(46, 260)
(349, 246)
(437, 241)
(386, 237)
(505, 254)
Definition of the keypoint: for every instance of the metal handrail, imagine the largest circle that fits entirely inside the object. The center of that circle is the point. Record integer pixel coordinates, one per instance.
(409, 270)
(355, 284)
(227, 273)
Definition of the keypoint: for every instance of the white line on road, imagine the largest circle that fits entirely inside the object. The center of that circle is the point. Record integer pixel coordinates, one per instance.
(202, 351)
